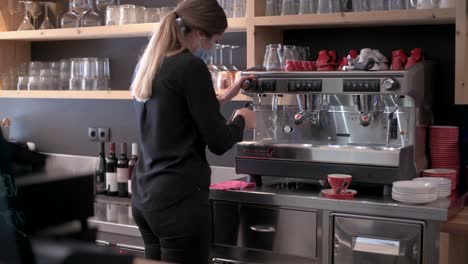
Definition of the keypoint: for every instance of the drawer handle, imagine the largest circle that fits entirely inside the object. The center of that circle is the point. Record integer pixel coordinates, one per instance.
(102, 243)
(131, 247)
(377, 246)
(225, 261)
(263, 229)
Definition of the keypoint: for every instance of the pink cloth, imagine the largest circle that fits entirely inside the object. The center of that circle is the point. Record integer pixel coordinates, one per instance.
(232, 185)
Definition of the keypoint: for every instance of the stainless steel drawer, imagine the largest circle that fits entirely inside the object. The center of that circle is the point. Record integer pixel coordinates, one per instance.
(283, 231)
(370, 240)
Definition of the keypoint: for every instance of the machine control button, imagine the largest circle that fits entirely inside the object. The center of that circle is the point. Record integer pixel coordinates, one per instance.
(287, 129)
(390, 84)
(364, 85)
(292, 86)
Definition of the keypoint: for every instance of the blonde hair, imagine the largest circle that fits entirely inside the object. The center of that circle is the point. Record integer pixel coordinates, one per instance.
(204, 15)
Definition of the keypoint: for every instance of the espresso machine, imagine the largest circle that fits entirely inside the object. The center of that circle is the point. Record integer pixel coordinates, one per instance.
(369, 124)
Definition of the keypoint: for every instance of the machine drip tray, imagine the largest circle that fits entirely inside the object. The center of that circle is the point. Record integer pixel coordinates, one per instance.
(295, 186)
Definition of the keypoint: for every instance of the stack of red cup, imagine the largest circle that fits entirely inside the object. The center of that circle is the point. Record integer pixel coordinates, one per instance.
(444, 147)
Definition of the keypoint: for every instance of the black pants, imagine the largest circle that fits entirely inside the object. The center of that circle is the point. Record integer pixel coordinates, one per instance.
(178, 234)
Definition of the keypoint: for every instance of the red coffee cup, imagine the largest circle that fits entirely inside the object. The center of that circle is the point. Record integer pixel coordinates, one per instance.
(339, 182)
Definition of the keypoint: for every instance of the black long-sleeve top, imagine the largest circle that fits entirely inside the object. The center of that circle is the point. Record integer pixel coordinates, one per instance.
(175, 125)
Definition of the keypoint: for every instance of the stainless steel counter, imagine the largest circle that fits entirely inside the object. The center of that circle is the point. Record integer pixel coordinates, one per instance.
(303, 195)
(113, 215)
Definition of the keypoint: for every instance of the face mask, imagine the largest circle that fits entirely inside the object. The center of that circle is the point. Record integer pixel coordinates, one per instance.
(202, 53)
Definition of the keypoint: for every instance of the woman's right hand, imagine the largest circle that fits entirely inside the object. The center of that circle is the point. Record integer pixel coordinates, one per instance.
(249, 117)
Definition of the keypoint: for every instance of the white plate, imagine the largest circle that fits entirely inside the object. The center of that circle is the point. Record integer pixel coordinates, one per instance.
(412, 201)
(413, 185)
(415, 197)
(440, 171)
(413, 191)
(427, 196)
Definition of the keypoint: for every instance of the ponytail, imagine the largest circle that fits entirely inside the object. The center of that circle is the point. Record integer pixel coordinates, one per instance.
(204, 15)
(166, 41)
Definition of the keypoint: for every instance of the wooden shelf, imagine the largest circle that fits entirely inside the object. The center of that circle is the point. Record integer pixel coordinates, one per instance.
(116, 95)
(377, 18)
(111, 95)
(103, 32)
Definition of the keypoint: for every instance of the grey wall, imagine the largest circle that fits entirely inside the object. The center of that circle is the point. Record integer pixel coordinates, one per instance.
(60, 126)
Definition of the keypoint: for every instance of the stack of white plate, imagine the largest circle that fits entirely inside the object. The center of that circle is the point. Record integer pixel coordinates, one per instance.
(414, 192)
(444, 185)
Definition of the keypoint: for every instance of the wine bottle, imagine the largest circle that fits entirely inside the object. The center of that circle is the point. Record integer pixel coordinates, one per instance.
(100, 174)
(122, 171)
(111, 171)
(131, 166)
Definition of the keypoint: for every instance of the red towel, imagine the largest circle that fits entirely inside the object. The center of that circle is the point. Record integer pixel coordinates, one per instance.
(233, 185)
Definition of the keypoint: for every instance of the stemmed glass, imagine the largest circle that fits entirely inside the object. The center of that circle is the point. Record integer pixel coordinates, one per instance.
(69, 19)
(26, 23)
(221, 65)
(81, 7)
(35, 10)
(232, 68)
(46, 23)
(214, 70)
(225, 78)
(92, 19)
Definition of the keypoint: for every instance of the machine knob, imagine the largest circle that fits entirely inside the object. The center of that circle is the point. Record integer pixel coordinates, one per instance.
(390, 84)
(247, 84)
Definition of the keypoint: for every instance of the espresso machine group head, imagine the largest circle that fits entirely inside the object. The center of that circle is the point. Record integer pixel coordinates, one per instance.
(310, 124)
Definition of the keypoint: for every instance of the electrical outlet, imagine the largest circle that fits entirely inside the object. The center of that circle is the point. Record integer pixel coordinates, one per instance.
(93, 134)
(103, 134)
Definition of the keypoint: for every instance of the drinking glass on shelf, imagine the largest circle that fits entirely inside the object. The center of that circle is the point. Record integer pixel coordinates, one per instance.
(34, 83)
(377, 5)
(271, 8)
(307, 7)
(227, 6)
(34, 68)
(70, 19)
(140, 14)
(127, 15)
(329, 6)
(26, 23)
(103, 74)
(289, 53)
(35, 10)
(76, 77)
(102, 5)
(81, 7)
(239, 8)
(396, 4)
(166, 10)
(22, 83)
(289, 7)
(273, 58)
(91, 18)
(46, 24)
(90, 73)
(112, 15)
(361, 5)
(152, 15)
(65, 74)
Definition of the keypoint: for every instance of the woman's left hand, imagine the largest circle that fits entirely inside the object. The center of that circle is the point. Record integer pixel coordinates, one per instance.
(234, 89)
